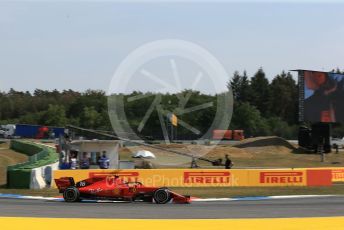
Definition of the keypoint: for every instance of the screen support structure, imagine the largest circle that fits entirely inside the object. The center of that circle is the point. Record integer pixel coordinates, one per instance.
(301, 81)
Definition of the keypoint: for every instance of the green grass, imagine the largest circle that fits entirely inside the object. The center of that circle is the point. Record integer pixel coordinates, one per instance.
(8, 157)
(31, 192)
(216, 192)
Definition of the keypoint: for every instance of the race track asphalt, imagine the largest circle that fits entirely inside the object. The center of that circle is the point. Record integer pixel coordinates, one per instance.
(277, 208)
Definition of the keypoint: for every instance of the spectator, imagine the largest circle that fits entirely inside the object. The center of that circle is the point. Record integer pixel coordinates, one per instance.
(228, 163)
(85, 161)
(104, 162)
(73, 161)
(64, 165)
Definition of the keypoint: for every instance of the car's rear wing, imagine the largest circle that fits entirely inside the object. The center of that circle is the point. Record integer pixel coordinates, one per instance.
(64, 182)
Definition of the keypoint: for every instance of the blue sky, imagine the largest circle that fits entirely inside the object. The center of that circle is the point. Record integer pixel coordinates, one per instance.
(79, 45)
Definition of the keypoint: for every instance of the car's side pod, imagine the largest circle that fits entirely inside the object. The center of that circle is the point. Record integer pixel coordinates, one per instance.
(64, 182)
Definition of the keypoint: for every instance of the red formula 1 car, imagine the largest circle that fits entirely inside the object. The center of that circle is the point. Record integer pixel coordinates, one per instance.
(114, 188)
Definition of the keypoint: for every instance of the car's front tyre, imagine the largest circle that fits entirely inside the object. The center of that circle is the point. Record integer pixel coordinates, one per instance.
(162, 196)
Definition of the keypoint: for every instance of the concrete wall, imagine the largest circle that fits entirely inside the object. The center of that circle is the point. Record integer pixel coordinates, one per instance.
(42, 177)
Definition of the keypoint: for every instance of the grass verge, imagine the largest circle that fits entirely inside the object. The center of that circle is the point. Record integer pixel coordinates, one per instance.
(8, 157)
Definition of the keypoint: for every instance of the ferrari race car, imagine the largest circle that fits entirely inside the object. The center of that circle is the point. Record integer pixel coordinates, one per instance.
(114, 188)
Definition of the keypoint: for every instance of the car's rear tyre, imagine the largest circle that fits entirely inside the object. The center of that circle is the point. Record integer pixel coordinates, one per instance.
(71, 194)
(162, 196)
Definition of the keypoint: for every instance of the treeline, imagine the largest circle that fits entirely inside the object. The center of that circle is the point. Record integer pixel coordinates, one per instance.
(261, 107)
(265, 108)
(268, 108)
(54, 108)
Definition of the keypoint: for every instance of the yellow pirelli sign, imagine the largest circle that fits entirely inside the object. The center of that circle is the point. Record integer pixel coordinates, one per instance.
(208, 177)
(278, 178)
(338, 174)
(164, 177)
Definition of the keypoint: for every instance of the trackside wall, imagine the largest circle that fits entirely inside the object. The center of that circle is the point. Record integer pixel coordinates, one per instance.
(35, 172)
(210, 177)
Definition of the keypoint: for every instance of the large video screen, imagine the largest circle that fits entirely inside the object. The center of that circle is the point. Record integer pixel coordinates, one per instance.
(321, 96)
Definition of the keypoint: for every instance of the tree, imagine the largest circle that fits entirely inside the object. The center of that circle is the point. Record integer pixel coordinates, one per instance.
(54, 116)
(245, 89)
(234, 85)
(281, 128)
(284, 97)
(31, 118)
(240, 86)
(260, 92)
(90, 118)
(248, 118)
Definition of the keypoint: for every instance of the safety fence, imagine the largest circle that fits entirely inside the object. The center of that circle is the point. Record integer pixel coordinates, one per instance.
(19, 175)
(210, 177)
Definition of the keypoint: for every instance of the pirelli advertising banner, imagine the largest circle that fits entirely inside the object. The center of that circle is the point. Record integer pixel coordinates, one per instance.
(278, 178)
(338, 175)
(210, 177)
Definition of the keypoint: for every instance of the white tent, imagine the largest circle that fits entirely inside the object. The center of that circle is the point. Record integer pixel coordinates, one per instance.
(144, 154)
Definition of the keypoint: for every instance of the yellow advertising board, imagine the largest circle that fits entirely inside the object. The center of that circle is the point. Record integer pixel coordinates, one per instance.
(337, 174)
(207, 177)
(166, 177)
(282, 177)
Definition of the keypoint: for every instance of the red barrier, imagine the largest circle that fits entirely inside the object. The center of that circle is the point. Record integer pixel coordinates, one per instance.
(319, 177)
